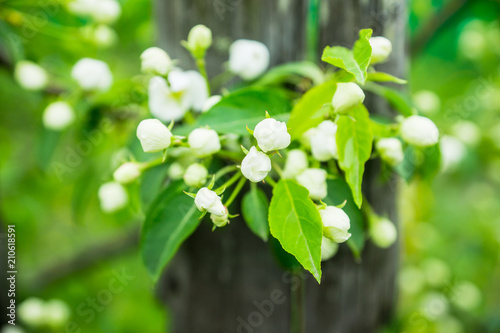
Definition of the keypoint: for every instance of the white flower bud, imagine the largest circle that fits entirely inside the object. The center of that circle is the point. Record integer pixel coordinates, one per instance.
(248, 58)
(112, 197)
(347, 96)
(314, 180)
(31, 312)
(323, 141)
(256, 165)
(92, 74)
(453, 152)
(176, 171)
(156, 61)
(336, 224)
(127, 172)
(195, 175)
(381, 49)
(219, 221)
(426, 101)
(271, 135)
(199, 39)
(104, 36)
(154, 135)
(58, 116)
(390, 150)
(30, 76)
(207, 200)
(328, 248)
(204, 142)
(210, 102)
(305, 140)
(296, 162)
(57, 312)
(419, 131)
(383, 232)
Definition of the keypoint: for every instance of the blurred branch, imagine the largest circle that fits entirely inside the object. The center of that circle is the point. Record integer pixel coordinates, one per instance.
(88, 257)
(425, 34)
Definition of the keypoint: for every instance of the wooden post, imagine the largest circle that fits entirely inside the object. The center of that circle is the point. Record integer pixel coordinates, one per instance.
(228, 281)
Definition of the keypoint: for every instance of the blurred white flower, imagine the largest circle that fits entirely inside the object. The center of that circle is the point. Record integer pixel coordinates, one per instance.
(381, 49)
(296, 162)
(347, 96)
(472, 41)
(127, 172)
(154, 135)
(208, 200)
(101, 11)
(204, 142)
(112, 197)
(219, 221)
(104, 36)
(199, 39)
(336, 224)
(411, 280)
(195, 175)
(305, 140)
(390, 150)
(328, 248)
(453, 152)
(256, 165)
(467, 132)
(30, 76)
(58, 116)
(426, 101)
(436, 271)
(31, 311)
(176, 171)
(466, 295)
(92, 74)
(57, 313)
(248, 58)
(156, 61)
(383, 232)
(434, 305)
(163, 104)
(314, 180)
(11, 329)
(419, 131)
(210, 102)
(192, 87)
(271, 135)
(323, 141)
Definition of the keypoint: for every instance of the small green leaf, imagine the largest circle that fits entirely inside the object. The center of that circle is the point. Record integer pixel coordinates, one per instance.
(311, 108)
(255, 209)
(362, 50)
(173, 217)
(295, 221)
(384, 77)
(354, 142)
(397, 100)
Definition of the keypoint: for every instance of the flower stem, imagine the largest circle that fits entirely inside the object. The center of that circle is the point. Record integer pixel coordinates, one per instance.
(236, 191)
(200, 62)
(230, 182)
(270, 181)
(297, 321)
(225, 170)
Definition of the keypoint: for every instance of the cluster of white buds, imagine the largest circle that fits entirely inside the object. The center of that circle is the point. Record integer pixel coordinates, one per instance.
(156, 61)
(58, 116)
(390, 150)
(314, 180)
(92, 74)
(346, 96)
(30, 76)
(336, 223)
(419, 131)
(381, 49)
(248, 58)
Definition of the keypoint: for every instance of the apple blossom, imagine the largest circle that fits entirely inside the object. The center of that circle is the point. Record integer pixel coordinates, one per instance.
(195, 175)
(156, 61)
(208, 200)
(248, 58)
(112, 196)
(336, 224)
(296, 162)
(419, 131)
(328, 248)
(390, 150)
(323, 141)
(314, 180)
(271, 135)
(30, 76)
(127, 172)
(153, 135)
(58, 116)
(347, 96)
(204, 142)
(256, 165)
(92, 74)
(383, 232)
(381, 49)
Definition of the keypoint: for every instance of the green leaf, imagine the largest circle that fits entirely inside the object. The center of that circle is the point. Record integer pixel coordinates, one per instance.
(397, 100)
(255, 209)
(384, 77)
(298, 69)
(356, 61)
(241, 108)
(173, 217)
(338, 191)
(383, 127)
(354, 142)
(152, 181)
(295, 221)
(311, 108)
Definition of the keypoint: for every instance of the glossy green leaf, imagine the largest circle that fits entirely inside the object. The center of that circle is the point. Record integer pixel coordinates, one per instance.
(173, 217)
(384, 77)
(255, 209)
(311, 108)
(295, 221)
(338, 191)
(354, 142)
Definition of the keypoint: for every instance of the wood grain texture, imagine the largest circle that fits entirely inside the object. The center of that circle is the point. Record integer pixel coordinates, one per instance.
(216, 280)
